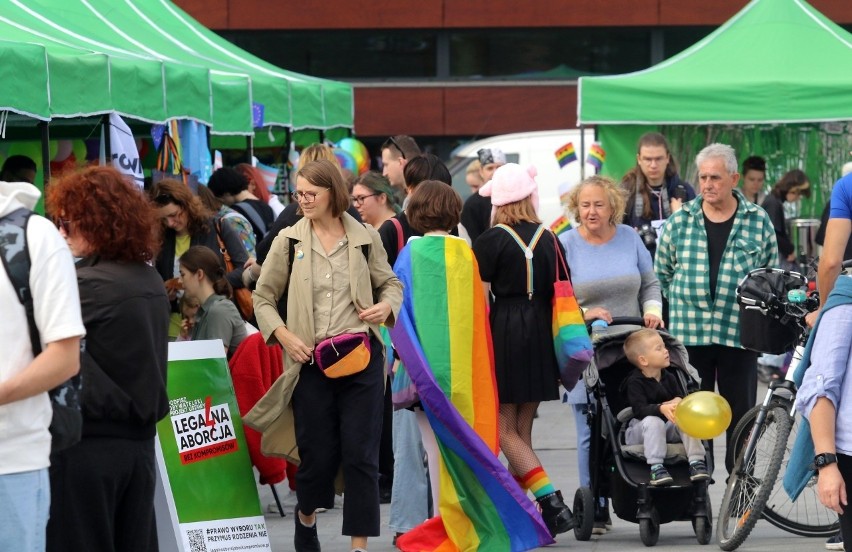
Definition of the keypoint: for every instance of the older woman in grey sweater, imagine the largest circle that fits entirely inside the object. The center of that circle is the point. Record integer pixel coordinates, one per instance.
(613, 276)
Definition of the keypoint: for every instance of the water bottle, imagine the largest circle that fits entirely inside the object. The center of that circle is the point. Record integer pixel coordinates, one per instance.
(796, 296)
(598, 329)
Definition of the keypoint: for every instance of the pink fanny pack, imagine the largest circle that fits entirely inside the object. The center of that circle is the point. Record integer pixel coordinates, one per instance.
(343, 355)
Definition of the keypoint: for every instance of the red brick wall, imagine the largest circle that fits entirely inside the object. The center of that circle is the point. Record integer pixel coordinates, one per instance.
(401, 14)
(464, 111)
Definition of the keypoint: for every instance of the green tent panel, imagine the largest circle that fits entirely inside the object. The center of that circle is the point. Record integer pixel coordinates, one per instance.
(776, 61)
(79, 84)
(188, 93)
(27, 96)
(231, 115)
(141, 87)
(149, 60)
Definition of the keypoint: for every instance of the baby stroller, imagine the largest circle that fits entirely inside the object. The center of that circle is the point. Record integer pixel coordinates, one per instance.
(620, 472)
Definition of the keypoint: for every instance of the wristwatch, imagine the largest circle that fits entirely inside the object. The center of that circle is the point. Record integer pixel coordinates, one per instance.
(824, 459)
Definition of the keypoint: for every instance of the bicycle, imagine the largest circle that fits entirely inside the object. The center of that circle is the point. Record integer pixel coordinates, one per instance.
(761, 441)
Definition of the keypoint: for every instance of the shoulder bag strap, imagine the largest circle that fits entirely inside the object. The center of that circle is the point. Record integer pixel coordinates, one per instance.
(229, 265)
(16, 261)
(560, 260)
(252, 214)
(400, 239)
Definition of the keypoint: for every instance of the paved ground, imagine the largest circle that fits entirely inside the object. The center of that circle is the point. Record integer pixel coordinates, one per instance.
(555, 442)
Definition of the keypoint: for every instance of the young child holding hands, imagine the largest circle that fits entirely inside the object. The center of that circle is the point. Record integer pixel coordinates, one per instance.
(653, 393)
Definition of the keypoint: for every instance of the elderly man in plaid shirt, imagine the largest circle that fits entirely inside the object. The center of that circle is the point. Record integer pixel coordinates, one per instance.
(705, 250)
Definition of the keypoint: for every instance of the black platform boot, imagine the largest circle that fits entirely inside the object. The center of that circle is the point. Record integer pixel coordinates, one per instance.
(556, 515)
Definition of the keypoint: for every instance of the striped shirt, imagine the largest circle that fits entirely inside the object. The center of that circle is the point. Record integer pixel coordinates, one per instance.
(682, 266)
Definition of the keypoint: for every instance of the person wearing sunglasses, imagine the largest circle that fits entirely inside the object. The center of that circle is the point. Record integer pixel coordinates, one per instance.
(102, 488)
(186, 222)
(334, 273)
(396, 152)
(373, 197)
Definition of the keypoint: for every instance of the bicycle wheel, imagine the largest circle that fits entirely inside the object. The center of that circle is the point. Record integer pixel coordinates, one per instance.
(752, 480)
(806, 516)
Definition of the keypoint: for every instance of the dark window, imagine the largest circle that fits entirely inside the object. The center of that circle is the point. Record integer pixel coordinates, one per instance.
(555, 53)
(344, 54)
(678, 39)
(548, 53)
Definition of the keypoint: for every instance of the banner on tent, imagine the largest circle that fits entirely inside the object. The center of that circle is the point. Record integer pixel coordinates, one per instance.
(208, 492)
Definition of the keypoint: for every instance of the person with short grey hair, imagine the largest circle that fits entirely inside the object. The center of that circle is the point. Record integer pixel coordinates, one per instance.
(706, 248)
(719, 151)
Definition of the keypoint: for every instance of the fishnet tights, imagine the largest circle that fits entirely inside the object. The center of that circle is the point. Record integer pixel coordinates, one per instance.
(515, 426)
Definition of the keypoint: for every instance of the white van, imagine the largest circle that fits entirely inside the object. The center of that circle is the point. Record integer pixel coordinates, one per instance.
(530, 148)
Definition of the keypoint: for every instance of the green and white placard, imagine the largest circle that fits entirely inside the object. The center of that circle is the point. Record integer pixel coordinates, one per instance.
(208, 484)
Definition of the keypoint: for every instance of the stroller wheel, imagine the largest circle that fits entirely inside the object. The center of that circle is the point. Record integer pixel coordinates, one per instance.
(584, 513)
(649, 529)
(703, 528)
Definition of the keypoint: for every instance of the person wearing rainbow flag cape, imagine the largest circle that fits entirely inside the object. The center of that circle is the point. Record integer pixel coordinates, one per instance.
(443, 338)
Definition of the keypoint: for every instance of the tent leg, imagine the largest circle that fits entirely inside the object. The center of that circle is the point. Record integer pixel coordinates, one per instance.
(45, 154)
(250, 149)
(107, 142)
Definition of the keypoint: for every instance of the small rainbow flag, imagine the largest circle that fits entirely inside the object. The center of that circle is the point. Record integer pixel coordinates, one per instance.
(596, 156)
(560, 225)
(443, 337)
(566, 154)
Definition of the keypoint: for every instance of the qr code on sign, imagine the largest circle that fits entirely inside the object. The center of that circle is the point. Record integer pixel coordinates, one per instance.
(196, 540)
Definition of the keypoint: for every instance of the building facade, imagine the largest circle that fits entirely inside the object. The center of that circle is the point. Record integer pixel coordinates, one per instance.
(451, 70)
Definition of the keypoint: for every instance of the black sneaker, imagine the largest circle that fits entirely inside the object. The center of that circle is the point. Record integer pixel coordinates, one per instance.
(660, 476)
(305, 539)
(835, 542)
(698, 470)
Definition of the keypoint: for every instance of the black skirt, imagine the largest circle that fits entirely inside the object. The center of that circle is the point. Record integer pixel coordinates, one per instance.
(525, 362)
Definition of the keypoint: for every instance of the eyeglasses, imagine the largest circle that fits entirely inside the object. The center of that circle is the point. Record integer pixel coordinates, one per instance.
(164, 198)
(653, 160)
(358, 200)
(392, 141)
(306, 197)
(64, 225)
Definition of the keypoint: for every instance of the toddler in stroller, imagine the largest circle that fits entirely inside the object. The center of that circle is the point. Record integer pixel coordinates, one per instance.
(619, 471)
(653, 394)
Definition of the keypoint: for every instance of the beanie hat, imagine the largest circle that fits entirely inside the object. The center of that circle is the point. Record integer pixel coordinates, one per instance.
(491, 155)
(511, 183)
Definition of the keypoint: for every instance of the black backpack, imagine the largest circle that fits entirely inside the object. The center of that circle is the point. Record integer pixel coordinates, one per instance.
(67, 423)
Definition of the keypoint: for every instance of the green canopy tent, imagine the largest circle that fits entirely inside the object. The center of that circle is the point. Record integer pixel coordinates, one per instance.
(149, 61)
(776, 77)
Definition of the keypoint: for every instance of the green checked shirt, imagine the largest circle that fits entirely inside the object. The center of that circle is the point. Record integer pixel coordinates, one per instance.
(682, 267)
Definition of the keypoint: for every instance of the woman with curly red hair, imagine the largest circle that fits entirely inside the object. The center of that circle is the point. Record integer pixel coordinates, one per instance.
(111, 226)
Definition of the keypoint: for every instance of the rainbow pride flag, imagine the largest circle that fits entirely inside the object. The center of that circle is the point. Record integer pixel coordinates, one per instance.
(443, 337)
(566, 154)
(560, 225)
(596, 156)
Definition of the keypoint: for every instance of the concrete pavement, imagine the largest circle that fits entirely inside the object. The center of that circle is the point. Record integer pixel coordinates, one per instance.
(554, 439)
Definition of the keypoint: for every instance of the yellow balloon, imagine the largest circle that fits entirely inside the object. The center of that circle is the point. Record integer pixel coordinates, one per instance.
(703, 415)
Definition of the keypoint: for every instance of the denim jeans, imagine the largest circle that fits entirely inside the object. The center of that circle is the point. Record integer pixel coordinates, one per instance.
(410, 492)
(584, 437)
(24, 507)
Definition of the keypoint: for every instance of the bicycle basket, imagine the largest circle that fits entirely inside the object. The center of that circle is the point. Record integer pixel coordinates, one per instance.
(764, 323)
